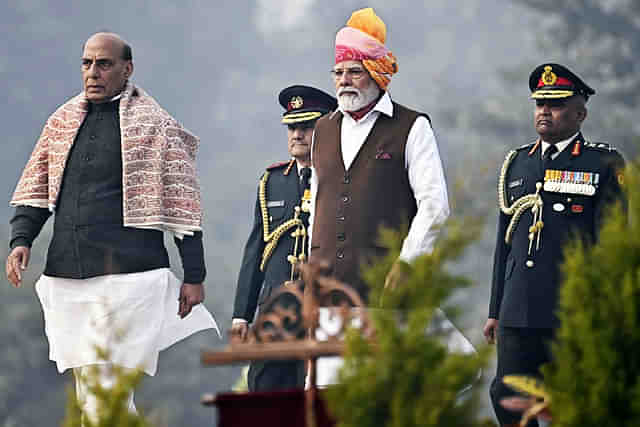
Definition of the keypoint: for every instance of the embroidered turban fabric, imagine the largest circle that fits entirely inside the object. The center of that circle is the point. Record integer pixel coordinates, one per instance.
(363, 40)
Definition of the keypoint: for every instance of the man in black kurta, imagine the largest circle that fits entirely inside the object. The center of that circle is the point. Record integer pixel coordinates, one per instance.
(89, 238)
(282, 188)
(549, 191)
(107, 281)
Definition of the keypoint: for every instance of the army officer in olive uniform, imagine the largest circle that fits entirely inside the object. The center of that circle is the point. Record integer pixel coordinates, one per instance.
(548, 191)
(266, 262)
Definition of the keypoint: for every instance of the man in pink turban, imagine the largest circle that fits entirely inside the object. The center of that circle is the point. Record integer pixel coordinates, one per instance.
(375, 163)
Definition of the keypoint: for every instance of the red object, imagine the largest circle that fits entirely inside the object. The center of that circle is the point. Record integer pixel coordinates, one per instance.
(535, 147)
(277, 165)
(268, 409)
(357, 115)
(347, 53)
(577, 208)
(560, 82)
(576, 149)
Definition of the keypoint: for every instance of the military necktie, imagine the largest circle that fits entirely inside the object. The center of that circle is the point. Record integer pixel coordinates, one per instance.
(305, 176)
(550, 151)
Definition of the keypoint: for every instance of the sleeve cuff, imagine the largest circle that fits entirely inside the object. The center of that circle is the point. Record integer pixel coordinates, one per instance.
(194, 279)
(20, 241)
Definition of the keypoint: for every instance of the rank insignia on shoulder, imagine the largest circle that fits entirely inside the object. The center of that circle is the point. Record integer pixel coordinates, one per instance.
(529, 146)
(574, 182)
(599, 145)
(277, 165)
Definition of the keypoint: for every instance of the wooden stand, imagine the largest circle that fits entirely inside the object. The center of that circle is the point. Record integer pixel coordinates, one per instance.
(286, 329)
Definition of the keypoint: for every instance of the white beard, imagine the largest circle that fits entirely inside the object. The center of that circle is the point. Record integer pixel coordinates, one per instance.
(350, 102)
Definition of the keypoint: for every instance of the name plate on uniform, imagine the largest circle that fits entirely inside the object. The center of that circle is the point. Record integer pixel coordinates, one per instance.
(275, 203)
(573, 182)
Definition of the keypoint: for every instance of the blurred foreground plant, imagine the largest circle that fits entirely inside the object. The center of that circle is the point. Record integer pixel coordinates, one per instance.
(594, 379)
(112, 403)
(406, 377)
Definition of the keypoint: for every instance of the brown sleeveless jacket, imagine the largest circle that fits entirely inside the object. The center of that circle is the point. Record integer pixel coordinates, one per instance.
(352, 205)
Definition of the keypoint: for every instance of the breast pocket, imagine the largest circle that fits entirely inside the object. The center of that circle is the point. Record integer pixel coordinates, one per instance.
(276, 210)
(515, 189)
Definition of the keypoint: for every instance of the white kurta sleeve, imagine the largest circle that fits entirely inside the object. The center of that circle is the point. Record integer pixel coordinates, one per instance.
(313, 182)
(426, 178)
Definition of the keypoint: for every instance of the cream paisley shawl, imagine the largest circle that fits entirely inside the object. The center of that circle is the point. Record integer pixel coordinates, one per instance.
(159, 182)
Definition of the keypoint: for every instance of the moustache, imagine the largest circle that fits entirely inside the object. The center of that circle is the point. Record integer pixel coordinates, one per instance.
(350, 90)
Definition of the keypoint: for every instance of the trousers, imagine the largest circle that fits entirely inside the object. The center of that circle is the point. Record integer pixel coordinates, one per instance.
(521, 351)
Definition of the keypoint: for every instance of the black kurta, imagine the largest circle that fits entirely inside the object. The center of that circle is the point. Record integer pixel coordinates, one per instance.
(89, 238)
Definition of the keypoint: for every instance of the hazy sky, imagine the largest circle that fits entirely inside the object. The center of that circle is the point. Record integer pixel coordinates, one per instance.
(218, 67)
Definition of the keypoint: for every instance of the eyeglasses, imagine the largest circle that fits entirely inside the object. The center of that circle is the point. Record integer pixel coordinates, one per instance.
(354, 73)
(102, 64)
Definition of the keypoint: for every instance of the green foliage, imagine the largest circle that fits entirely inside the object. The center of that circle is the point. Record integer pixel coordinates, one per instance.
(242, 385)
(113, 404)
(595, 377)
(407, 377)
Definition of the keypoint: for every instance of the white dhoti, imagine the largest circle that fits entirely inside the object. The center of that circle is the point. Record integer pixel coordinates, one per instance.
(131, 316)
(327, 368)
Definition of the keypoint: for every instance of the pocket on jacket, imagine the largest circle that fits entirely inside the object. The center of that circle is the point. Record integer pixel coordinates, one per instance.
(276, 212)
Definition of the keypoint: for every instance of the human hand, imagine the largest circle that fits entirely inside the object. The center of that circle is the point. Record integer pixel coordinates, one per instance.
(190, 295)
(524, 404)
(490, 330)
(17, 262)
(239, 332)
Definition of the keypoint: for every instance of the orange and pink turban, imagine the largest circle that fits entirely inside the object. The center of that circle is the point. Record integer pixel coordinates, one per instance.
(363, 40)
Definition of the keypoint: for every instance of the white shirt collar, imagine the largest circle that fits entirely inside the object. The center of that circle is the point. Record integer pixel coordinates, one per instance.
(384, 106)
(559, 145)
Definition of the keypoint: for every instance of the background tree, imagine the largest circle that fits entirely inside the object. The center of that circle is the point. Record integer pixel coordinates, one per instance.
(465, 63)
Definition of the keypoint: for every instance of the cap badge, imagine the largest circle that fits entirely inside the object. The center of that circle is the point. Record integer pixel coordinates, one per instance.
(296, 102)
(549, 78)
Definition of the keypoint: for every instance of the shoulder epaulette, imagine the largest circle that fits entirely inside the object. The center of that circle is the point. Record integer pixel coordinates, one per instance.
(278, 165)
(526, 146)
(603, 146)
